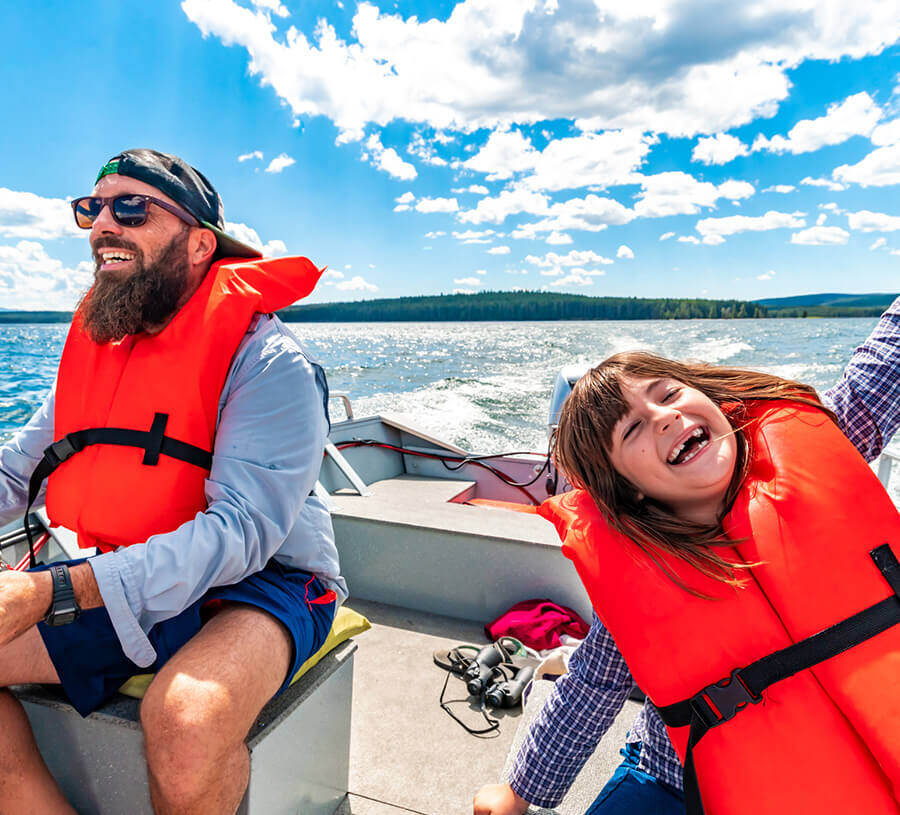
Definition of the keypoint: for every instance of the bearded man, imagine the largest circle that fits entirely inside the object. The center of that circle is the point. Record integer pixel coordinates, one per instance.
(183, 440)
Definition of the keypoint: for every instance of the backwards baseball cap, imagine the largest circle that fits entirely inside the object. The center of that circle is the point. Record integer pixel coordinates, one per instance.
(186, 186)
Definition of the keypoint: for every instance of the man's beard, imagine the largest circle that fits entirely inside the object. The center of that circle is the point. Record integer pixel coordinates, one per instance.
(145, 298)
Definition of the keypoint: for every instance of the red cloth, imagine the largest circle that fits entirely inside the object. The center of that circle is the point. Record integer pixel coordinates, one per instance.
(538, 624)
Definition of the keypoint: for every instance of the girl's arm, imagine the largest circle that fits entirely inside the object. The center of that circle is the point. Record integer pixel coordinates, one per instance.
(867, 398)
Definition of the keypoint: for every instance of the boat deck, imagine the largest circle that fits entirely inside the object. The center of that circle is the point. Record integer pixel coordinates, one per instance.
(408, 755)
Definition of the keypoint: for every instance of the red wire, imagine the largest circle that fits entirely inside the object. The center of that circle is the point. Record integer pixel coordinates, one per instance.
(406, 452)
(22, 565)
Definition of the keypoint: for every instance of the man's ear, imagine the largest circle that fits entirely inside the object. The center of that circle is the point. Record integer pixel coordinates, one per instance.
(202, 246)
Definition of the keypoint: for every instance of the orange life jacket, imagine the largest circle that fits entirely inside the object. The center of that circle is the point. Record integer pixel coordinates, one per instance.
(114, 488)
(825, 739)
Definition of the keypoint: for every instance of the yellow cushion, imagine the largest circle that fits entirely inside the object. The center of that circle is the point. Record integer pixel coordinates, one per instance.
(347, 623)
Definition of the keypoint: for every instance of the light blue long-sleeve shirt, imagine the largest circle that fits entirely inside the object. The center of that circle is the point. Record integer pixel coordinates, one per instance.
(270, 437)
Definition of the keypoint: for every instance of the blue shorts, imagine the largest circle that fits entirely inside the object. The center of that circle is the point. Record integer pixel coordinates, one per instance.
(90, 662)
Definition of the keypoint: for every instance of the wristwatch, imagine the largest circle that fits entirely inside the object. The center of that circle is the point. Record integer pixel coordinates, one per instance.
(64, 609)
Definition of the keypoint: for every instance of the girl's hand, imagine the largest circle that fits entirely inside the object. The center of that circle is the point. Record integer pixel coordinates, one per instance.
(498, 799)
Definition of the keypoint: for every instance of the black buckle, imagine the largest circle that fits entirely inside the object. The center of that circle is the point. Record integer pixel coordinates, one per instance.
(723, 700)
(61, 450)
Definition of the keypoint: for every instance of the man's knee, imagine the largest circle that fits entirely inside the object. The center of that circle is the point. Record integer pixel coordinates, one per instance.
(184, 736)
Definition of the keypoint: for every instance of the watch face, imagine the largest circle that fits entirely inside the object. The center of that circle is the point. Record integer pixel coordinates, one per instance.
(63, 613)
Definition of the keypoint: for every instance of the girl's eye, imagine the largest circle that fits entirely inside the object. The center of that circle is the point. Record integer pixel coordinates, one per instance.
(670, 394)
(629, 431)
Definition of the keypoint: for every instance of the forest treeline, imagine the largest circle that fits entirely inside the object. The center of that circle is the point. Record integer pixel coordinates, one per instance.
(522, 305)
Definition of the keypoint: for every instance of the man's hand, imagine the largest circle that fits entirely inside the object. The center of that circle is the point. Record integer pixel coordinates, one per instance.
(25, 597)
(498, 799)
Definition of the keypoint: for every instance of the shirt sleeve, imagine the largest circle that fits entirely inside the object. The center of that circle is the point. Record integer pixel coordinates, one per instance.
(579, 710)
(266, 458)
(867, 398)
(19, 457)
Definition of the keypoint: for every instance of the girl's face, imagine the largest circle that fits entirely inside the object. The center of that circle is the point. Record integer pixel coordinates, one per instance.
(676, 446)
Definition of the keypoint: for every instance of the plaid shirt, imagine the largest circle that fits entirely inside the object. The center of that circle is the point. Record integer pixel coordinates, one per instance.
(585, 701)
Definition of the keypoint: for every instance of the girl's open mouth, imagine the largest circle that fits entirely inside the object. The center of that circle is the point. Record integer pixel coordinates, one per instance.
(689, 447)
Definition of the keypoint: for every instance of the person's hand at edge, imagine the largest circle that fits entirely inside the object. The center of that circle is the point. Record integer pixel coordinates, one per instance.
(498, 799)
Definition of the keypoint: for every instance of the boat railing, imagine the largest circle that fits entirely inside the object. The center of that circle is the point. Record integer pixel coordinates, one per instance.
(885, 465)
(345, 398)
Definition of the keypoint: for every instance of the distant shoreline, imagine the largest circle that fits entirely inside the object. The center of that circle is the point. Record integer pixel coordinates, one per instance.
(545, 307)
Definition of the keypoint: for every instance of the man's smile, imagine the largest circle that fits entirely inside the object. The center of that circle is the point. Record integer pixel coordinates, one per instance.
(110, 259)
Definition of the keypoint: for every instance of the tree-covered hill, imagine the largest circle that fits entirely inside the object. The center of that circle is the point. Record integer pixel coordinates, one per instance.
(523, 305)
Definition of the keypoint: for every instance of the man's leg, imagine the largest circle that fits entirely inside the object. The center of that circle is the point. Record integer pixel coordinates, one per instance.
(26, 786)
(201, 705)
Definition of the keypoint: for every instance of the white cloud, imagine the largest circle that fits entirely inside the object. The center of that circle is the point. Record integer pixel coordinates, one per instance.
(886, 133)
(257, 154)
(32, 279)
(590, 214)
(666, 235)
(356, 283)
(247, 234)
(330, 276)
(508, 202)
(688, 239)
(866, 221)
(719, 149)
(499, 250)
(26, 215)
(435, 234)
(402, 208)
(506, 152)
(857, 115)
(576, 257)
(783, 189)
(821, 236)
(558, 239)
(489, 64)
(481, 271)
(821, 219)
(277, 164)
(881, 168)
(678, 193)
(473, 236)
(274, 6)
(625, 252)
(388, 159)
(714, 230)
(425, 151)
(878, 243)
(766, 275)
(464, 291)
(834, 186)
(468, 281)
(437, 205)
(573, 279)
(478, 189)
(406, 198)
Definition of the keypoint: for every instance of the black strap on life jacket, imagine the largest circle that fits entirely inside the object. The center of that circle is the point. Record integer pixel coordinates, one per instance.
(154, 442)
(723, 700)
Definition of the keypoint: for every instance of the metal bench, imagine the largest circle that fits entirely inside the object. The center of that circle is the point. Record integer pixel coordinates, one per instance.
(299, 747)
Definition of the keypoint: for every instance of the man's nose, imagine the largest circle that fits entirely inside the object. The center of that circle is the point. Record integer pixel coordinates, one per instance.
(105, 224)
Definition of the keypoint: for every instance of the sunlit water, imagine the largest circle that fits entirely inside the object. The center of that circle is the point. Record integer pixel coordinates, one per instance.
(483, 386)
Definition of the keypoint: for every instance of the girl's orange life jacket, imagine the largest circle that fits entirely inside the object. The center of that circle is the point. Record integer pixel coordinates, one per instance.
(826, 739)
(167, 387)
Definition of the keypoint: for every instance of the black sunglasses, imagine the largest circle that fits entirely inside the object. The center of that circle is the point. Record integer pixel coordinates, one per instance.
(127, 210)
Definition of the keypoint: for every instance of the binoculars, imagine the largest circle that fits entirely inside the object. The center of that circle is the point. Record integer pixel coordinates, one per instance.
(479, 678)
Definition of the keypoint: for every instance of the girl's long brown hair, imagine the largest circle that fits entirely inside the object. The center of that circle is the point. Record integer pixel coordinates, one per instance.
(583, 439)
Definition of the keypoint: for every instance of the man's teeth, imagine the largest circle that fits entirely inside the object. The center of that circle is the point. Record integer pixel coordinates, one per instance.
(116, 257)
(697, 434)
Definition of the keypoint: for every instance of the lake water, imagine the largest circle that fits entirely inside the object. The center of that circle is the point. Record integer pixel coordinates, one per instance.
(483, 386)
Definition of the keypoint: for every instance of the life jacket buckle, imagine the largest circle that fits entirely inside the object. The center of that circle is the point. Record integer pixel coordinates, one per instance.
(723, 700)
(61, 450)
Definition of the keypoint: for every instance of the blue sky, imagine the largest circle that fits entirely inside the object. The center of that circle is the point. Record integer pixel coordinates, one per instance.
(604, 147)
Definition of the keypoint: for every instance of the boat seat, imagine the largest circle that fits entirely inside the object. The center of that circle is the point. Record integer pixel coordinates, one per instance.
(299, 746)
(415, 543)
